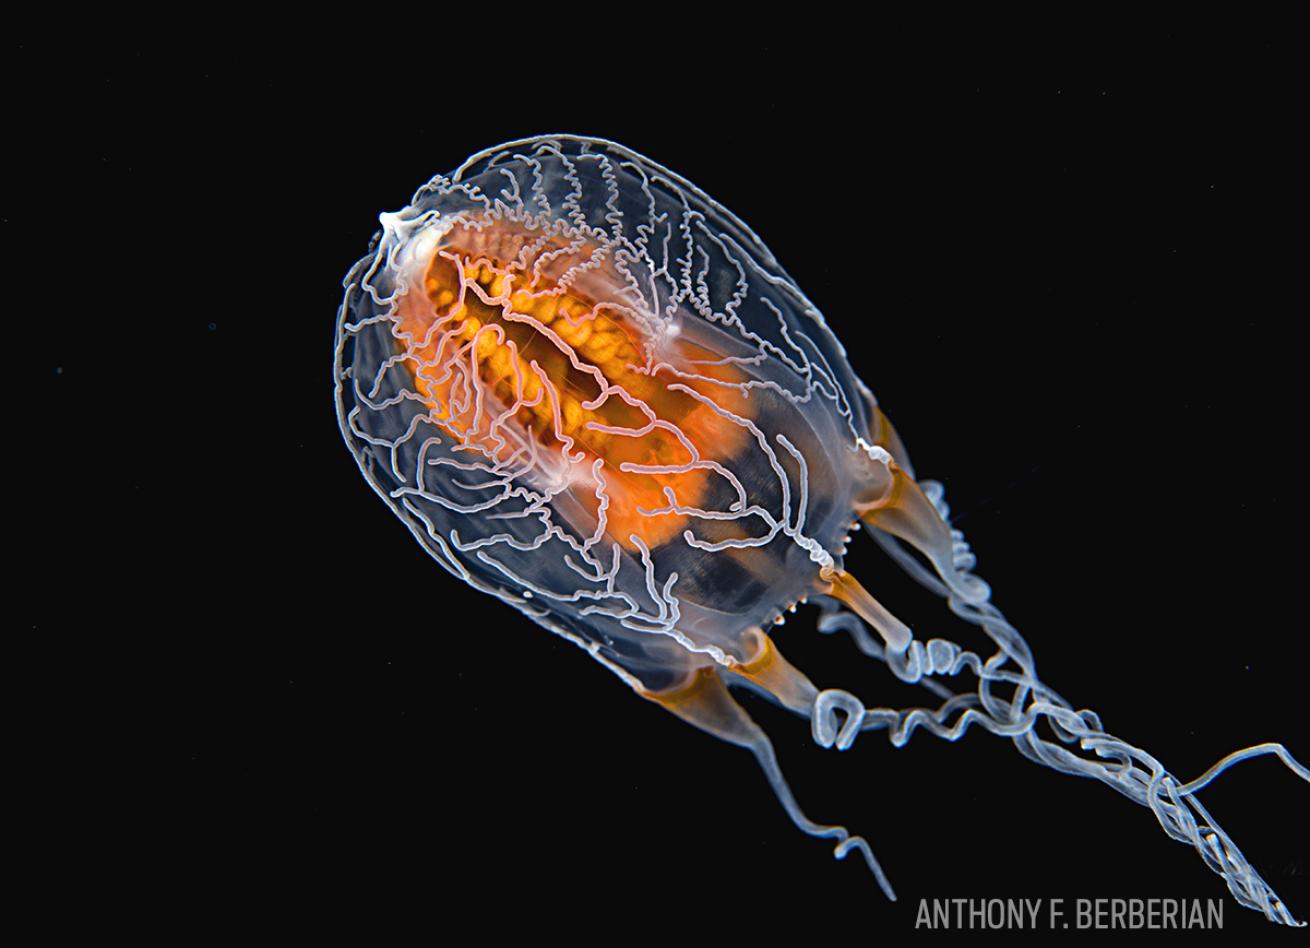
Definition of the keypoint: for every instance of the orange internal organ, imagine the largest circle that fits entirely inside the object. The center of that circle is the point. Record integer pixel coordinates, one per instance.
(517, 336)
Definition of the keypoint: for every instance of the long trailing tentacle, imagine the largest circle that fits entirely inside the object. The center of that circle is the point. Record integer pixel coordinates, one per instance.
(838, 716)
(705, 702)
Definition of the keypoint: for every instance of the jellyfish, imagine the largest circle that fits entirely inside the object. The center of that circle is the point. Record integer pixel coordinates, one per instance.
(592, 392)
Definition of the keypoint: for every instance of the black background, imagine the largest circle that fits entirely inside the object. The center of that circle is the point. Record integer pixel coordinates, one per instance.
(1073, 289)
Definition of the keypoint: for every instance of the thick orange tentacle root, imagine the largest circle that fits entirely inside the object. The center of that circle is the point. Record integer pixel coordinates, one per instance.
(846, 588)
(703, 701)
(519, 349)
(771, 671)
(896, 504)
